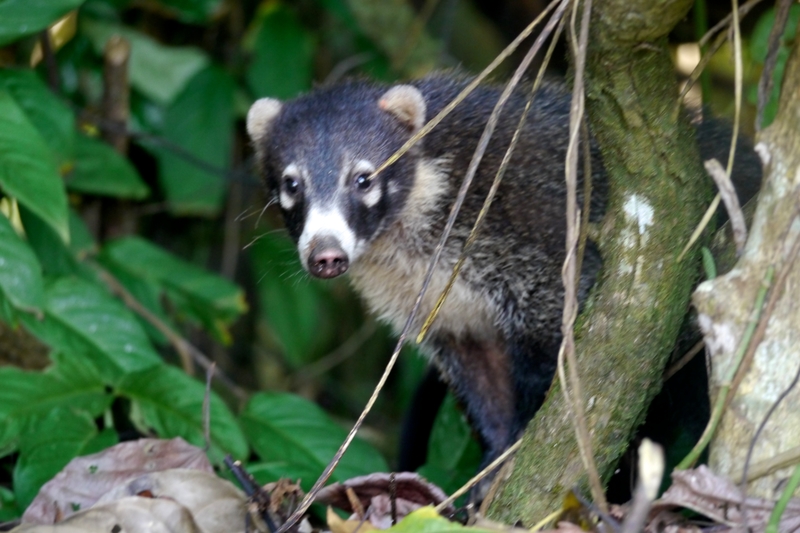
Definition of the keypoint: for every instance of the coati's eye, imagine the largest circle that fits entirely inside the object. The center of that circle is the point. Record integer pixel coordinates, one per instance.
(362, 182)
(291, 185)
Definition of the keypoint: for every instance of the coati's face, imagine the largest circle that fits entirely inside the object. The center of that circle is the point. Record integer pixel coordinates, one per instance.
(318, 154)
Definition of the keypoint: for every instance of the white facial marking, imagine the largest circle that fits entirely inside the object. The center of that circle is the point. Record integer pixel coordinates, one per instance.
(330, 222)
(372, 196)
(287, 200)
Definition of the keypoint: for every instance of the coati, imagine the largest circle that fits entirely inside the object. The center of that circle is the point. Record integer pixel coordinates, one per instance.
(496, 338)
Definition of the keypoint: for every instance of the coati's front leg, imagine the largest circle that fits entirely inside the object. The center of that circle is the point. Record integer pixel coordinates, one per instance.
(500, 384)
(479, 373)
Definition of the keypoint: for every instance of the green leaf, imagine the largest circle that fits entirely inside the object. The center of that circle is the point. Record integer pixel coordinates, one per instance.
(453, 453)
(19, 18)
(147, 293)
(759, 44)
(99, 169)
(55, 257)
(27, 169)
(295, 436)
(9, 510)
(49, 443)
(170, 403)
(81, 241)
(200, 121)
(52, 118)
(283, 55)
(212, 299)
(193, 11)
(20, 271)
(159, 72)
(81, 318)
(72, 381)
(427, 520)
(291, 310)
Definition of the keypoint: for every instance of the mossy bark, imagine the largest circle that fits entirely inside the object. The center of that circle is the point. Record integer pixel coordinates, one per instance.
(658, 192)
(726, 306)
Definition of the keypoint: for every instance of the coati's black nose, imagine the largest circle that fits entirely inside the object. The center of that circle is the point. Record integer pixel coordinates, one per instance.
(327, 259)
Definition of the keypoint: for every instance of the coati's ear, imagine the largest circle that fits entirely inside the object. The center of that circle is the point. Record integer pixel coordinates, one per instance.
(262, 113)
(406, 103)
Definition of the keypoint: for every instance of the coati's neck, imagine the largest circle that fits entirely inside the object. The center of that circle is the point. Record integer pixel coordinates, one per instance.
(391, 272)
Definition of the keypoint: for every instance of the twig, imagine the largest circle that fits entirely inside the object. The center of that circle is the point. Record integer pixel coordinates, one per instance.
(49, 60)
(773, 464)
(207, 407)
(688, 356)
(253, 491)
(572, 390)
(698, 71)
(186, 351)
(744, 9)
(116, 92)
(731, 201)
(343, 352)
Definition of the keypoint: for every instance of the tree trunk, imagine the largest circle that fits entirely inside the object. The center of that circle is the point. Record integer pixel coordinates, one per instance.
(658, 192)
(726, 307)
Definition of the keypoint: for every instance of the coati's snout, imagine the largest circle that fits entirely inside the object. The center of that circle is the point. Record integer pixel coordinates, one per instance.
(327, 258)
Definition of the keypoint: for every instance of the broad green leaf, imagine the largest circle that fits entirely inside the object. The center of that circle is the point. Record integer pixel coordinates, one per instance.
(291, 309)
(55, 257)
(27, 168)
(759, 44)
(159, 72)
(81, 241)
(19, 18)
(200, 121)
(147, 293)
(283, 55)
(81, 318)
(20, 271)
(193, 11)
(52, 118)
(296, 437)
(170, 403)
(9, 510)
(72, 381)
(50, 442)
(212, 299)
(99, 169)
(453, 453)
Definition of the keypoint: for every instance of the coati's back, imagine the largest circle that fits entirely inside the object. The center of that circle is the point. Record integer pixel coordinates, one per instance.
(497, 335)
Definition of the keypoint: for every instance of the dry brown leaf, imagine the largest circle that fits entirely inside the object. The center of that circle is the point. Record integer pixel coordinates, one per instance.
(338, 525)
(86, 479)
(131, 515)
(721, 500)
(375, 492)
(215, 503)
